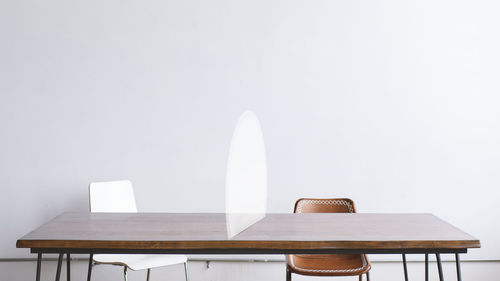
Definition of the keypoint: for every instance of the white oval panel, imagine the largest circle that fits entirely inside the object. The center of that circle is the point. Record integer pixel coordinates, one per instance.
(246, 176)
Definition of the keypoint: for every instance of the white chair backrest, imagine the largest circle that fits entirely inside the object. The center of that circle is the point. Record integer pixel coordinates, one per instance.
(112, 197)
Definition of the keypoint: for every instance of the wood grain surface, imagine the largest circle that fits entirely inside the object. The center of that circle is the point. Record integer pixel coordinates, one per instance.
(276, 233)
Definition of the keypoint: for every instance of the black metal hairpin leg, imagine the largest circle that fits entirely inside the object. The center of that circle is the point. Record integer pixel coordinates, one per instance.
(59, 263)
(38, 266)
(426, 267)
(89, 272)
(68, 265)
(459, 273)
(440, 267)
(405, 267)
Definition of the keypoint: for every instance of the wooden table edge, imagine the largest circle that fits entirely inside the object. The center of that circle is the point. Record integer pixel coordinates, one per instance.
(246, 244)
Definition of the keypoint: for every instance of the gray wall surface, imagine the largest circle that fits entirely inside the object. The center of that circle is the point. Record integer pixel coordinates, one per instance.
(392, 103)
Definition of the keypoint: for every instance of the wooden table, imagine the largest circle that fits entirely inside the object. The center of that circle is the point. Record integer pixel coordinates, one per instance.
(313, 233)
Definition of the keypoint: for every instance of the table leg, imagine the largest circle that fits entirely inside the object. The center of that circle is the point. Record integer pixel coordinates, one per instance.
(89, 272)
(38, 266)
(459, 273)
(426, 267)
(440, 267)
(59, 263)
(405, 267)
(68, 265)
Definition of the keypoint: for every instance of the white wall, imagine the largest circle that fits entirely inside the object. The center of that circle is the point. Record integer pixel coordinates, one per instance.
(392, 103)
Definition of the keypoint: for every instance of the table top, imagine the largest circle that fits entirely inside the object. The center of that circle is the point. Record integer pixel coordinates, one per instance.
(206, 233)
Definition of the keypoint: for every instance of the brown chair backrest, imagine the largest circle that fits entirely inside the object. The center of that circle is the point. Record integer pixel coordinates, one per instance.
(334, 205)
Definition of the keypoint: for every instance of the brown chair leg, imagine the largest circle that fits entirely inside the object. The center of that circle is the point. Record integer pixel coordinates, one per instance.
(368, 276)
(361, 277)
(288, 274)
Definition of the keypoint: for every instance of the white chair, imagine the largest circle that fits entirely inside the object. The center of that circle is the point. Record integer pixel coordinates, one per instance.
(118, 197)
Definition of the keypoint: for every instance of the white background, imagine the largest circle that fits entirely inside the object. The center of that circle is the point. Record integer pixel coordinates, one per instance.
(394, 104)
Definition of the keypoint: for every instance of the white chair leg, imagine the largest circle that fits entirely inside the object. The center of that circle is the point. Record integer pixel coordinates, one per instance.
(149, 272)
(125, 273)
(186, 270)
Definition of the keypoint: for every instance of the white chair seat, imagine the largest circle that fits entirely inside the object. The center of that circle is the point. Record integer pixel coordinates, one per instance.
(138, 261)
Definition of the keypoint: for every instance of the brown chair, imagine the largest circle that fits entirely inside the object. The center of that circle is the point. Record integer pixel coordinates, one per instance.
(327, 265)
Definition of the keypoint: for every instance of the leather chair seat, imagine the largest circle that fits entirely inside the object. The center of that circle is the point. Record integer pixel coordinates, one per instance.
(328, 265)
